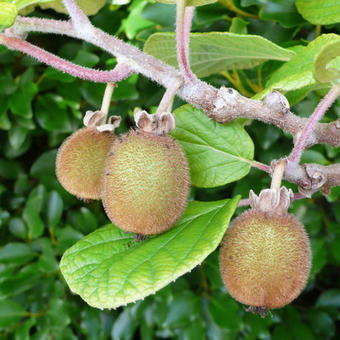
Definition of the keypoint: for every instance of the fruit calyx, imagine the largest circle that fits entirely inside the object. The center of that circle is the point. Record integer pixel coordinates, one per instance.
(97, 119)
(272, 200)
(158, 124)
(261, 311)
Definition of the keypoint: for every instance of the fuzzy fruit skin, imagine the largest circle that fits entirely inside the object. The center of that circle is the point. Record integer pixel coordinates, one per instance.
(265, 259)
(80, 162)
(146, 183)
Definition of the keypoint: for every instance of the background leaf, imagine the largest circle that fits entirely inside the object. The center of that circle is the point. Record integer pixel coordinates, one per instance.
(90, 7)
(218, 153)
(10, 312)
(29, 268)
(189, 2)
(108, 268)
(319, 12)
(215, 52)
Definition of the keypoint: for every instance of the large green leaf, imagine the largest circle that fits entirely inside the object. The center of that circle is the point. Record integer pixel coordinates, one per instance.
(20, 4)
(215, 52)
(8, 13)
(298, 72)
(324, 71)
(218, 153)
(90, 7)
(189, 2)
(319, 12)
(108, 268)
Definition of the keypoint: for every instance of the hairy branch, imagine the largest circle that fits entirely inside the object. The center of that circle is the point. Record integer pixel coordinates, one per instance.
(221, 105)
(183, 26)
(119, 73)
(306, 133)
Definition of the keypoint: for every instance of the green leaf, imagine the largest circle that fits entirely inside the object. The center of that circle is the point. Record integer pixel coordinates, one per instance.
(108, 268)
(23, 331)
(17, 227)
(282, 11)
(319, 258)
(225, 311)
(324, 72)
(85, 58)
(238, 26)
(50, 115)
(329, 298)
(31, 214)
(218, 153)
(8, 14)
(84, 220)
(10, 313)
(319, 12)
(20, 4)
(44, 165)
(17, 253)
(54, 209)
(17, 136)
(215, 52)
(189, 2)
(298, 72)
(90, 7)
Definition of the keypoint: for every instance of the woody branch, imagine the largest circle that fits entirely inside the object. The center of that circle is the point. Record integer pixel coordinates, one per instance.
(222, 105)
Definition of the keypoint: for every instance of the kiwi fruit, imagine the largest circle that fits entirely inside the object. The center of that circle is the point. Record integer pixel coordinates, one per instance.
(265, 259)
(146, 182)
(80, 161)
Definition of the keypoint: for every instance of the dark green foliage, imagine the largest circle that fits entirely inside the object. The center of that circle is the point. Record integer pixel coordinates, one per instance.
(39, 220)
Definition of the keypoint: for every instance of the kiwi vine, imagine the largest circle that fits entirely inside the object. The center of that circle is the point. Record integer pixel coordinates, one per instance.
(143, 177)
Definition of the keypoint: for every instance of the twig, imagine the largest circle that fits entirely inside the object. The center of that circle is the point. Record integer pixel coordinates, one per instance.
(117, 74)
(183, 25)
(195, 92)
(307, 132)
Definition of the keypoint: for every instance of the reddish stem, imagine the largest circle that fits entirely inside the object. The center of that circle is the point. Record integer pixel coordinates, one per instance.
(261, 166)
(308, 129)
(121, 71)
(183, 27)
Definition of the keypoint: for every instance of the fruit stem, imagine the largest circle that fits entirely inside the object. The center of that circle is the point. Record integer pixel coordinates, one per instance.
(278, 174)
(107, 99)
(168, 98)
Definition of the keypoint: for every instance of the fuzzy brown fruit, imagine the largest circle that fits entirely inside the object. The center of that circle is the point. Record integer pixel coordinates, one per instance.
(265, 259)
(80, 162)
(146, 183)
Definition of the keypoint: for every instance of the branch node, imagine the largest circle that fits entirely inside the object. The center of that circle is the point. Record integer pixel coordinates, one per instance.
(277, 102)
(226, 97)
